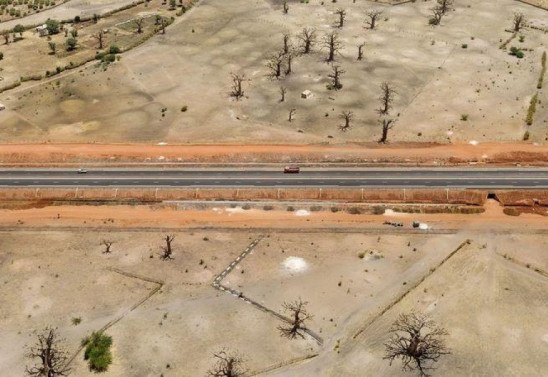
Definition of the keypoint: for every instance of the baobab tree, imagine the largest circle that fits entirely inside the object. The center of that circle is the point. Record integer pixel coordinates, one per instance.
(386, 98)
(139, 24)
(387, 125)
(99, 37)
(347, 116)
(360, 51)
(237, 86)
(289, 59)
(283, 90)
(519, 21)
(445, 5)
(335, 76)
(285, 7)
(291, 114)
(275, 63)
(227, 365)
(333, 44)
(308, 39)
(437, 15)
(342, 16)
(52, 358)
(107, 245)
(417, 341)
(372, 18)
(297, 316)
(167, 251)
(287, 43)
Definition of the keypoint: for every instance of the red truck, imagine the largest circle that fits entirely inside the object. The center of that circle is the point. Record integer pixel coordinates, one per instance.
(292, 169)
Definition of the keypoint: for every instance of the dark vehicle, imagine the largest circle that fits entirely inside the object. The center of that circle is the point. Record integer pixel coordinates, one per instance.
(292, 169)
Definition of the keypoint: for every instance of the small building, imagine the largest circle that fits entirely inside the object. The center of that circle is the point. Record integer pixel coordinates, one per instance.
(306, 94)
(42, 30)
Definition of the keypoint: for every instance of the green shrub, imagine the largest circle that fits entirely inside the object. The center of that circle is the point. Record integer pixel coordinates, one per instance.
(52, 26)
(113, 49)
(532, 109)
(98, 352)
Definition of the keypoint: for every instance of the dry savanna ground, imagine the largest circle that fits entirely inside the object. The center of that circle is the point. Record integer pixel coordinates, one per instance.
(453, 82)
(491, 303)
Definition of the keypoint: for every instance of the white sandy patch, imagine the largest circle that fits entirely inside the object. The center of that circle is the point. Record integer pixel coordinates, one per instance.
(234, 210)
(302, 212)
(391, 212)
(545, 338)
(423, 226)
(473, 142)
(162, 143)
(295, 264)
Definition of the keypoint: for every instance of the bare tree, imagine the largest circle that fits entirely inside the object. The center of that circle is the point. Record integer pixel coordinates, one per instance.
(342, 16)
(417, 341)
(333, 44)
(386, 98)
(335, 76)
(372, 18)
(360, 51)
(437, 15)
(99, 37)
(6, 35)
(139, 24)
(237, 87)
(445, 5)
(347, 116)
(308, 39)
(289, 59)
(227, 365)
(387, 125)
(283, 90)
(287, 43)
(274, 63)
(167, 251)
(298, 315)
(52, 358)
(163, 25)
(291, 113)
(107, 245)
(286, 7)
(519, 21)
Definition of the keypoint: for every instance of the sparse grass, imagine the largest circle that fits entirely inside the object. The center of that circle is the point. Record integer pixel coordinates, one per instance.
(532, 110)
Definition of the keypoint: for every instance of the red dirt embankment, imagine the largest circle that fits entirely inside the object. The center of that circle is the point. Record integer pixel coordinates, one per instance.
(366, 153)
(440, 196)
(527, 198)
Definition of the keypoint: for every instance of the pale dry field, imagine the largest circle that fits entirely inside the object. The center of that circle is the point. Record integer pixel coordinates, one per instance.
(494, 308)
(437, 80)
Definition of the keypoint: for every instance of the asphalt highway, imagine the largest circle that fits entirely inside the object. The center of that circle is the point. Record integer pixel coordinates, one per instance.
(519, 178)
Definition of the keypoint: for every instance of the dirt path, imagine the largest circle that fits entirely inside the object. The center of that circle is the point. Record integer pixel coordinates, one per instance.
(369, 153)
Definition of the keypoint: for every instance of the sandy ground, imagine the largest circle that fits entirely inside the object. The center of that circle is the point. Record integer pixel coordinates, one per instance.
(191, 66)
(403, 153)
(491, 303)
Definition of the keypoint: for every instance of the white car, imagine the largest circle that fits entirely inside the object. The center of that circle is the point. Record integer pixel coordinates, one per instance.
(82, 171)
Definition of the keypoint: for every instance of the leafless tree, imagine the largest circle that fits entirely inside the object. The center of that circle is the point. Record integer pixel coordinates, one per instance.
(387, 125)
(287, 43)
(437, 15)
(347, 116)
(52, 358)
(386, 98)
(360, 51)
(275, 63)
(445, 5)
(107, 245)
(291, 113)
(139, 24)
(286, 7)
(519, 21)
(99, 37)
(6, 36)
(372, 18)
(298, 315)
(308, 39)
(167, 251)
(333, 44)
(237, 87)
(417, 341)
(163, 25)
(227, 365)
(289, 59)
(283, 90)
(335, 76)
(342, 16)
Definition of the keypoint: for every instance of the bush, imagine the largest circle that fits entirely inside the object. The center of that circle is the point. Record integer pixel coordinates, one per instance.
(113, 49)
(378, 210)
(511, 211)
(334, 209)
(184, 109)
(71, 43)
(354, 211)
(464, 117)
(1, 56)
(268, 208)
(315, 208)
(514, 51)
(52, 26)
(98, 351)
(464, 45)
(532, 109)
(290, 209)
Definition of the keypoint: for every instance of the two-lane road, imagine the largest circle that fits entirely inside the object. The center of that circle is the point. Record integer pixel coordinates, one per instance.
(518, 178)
